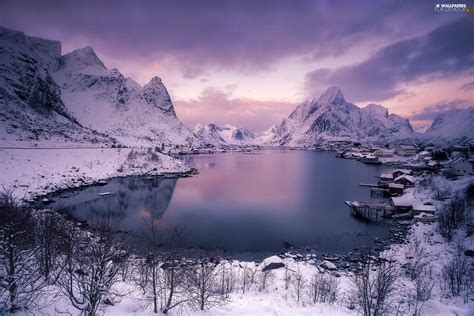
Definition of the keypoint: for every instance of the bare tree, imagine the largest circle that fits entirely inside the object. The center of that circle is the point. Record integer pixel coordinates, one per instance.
(247, 277)
(417, 259)
(287, 278)
(21, 278)
(457, 275)
(173, 274)
(93, 265)
(51, 234)
(374, 286)
(424, 284)
(149, 276)
(324, 288)
(299, 284)
(266, 278)
(227, 279)
(203, 285)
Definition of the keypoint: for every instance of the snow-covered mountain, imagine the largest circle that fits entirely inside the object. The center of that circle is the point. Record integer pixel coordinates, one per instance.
(211, 134)
(76, 96)
(332, 118)
(452, 125)
(32, 110)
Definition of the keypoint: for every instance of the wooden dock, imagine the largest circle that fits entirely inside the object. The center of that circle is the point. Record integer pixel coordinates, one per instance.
(368, 211)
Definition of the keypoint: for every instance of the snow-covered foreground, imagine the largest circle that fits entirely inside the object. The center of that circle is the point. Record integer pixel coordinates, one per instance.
(33, 172)
(276, 299)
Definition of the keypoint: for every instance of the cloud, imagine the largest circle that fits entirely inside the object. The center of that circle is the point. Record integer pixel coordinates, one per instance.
(219, 106)
(430, 112)
(443, 52)
(198, 35)
(467, 86)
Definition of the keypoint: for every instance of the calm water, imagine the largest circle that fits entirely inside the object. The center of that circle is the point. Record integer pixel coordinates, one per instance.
(247, 202)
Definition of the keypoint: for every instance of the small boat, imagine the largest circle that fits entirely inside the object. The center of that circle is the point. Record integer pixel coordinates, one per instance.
(104, 193)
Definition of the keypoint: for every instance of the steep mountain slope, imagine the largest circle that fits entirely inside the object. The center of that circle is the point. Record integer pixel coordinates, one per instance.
(452, 125)
(49, 99)
(31, 108)
(109, 102)
(332, 118)
(211, 134)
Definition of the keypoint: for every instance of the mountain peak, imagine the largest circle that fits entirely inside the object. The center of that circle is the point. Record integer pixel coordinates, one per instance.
(82, 58)
(377, 109)
(332, 95)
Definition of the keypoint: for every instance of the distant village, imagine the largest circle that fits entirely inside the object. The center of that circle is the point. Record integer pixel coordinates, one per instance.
(410, 164)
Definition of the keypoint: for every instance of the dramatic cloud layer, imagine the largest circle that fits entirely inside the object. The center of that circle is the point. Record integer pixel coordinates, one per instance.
(244, 34)
(446, 51)
(386, 51)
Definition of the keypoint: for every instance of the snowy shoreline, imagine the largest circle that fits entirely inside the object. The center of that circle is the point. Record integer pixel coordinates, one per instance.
(38, 172)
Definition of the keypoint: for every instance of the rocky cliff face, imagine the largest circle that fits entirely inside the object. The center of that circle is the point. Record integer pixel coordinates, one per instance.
(76, 98)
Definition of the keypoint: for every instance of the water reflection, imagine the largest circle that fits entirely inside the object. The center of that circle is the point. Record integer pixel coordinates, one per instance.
(247, 202)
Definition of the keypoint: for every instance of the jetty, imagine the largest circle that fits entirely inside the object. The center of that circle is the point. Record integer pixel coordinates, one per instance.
(369, 211)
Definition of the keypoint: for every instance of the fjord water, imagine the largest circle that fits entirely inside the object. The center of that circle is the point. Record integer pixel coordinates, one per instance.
(246, 202)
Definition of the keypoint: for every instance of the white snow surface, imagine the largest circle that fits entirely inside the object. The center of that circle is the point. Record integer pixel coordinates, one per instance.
(32, 172)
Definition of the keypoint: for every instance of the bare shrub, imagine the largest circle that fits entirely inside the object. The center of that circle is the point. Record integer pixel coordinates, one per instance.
(324, 288)
(424, 283)
(374, 288)
(457, 275)
(21, 277)
(299, 284)
(416, 259)
(452, 216)
(203, 285)
(93, 265)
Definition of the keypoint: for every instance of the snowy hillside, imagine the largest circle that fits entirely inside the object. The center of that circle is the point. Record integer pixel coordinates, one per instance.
(224, 135)
(452, 125)
(332, 118)
(51, 99)
(31, 108)
(111, 103)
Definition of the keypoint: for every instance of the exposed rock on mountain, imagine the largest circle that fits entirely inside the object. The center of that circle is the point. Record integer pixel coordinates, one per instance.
(332, 118)
(75, 98)
(31, 107)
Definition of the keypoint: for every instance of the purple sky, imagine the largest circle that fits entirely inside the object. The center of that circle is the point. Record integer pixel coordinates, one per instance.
(249, 62)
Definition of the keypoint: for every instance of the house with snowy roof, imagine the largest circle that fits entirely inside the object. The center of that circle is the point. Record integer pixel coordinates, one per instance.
(399, 172)
(407, 180)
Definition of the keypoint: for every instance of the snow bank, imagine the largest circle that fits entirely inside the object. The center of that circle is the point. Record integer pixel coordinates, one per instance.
(32, 172)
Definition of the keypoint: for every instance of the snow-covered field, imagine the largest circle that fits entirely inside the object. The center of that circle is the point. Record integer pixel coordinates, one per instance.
(32, 172)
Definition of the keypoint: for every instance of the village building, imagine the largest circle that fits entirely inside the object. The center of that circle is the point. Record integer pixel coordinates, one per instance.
(407, 150)
(386, 177)
(407, 180)
(402, 204)
(395, 189)
(399, 172)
